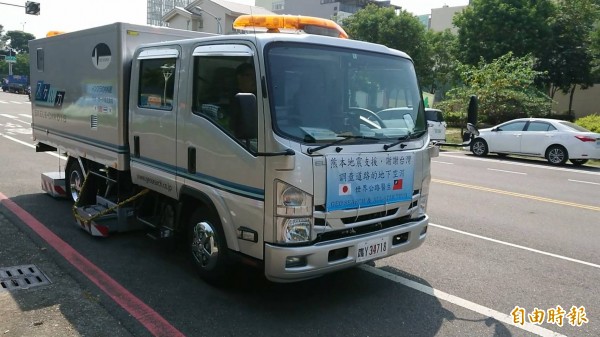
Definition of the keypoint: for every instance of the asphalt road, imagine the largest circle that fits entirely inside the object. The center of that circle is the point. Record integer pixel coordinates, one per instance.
(505, 234)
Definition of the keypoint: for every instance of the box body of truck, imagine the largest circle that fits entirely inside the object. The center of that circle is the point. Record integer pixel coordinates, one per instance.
(80, 88)
(324, 165)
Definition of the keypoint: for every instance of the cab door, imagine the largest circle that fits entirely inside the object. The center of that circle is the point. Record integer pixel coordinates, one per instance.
(219, 145)
(153, 118)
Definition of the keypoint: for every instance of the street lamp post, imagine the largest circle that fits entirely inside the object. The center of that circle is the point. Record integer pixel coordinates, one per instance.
(167, 71)
(10, 63)
(219, 28)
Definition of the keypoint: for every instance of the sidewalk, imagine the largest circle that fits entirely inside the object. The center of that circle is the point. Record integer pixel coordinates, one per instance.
(60, 308)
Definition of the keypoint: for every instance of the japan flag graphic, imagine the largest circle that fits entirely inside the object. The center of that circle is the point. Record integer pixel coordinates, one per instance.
(345, 189)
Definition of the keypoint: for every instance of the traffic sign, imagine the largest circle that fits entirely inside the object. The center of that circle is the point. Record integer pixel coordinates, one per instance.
(10, 59)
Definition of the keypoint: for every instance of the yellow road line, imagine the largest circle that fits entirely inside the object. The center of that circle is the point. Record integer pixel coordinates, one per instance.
(518, 195)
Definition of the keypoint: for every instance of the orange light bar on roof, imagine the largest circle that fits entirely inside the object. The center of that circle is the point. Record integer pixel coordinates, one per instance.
(277, 23)
(54, 33)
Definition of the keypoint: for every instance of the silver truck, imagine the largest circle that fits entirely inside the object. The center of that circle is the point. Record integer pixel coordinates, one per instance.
(303, 154)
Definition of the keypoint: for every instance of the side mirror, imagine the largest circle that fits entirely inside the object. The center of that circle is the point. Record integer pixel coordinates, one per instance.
(245, 124)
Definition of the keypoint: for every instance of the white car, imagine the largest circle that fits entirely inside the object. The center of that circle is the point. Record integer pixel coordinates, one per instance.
(436, 126)
(555, 140)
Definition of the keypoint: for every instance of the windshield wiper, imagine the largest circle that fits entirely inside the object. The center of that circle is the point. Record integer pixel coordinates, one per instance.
(344, 138)
(403, 139)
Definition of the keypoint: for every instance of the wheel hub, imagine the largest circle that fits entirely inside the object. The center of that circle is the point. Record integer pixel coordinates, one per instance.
(204, 245)
(75, 184)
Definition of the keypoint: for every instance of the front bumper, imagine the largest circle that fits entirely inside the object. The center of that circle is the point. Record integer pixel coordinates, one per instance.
(325, 257)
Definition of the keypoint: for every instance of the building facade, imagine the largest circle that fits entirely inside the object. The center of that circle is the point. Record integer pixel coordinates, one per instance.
(327, 9)
(441, 18)
(209, 16)
(158, 8)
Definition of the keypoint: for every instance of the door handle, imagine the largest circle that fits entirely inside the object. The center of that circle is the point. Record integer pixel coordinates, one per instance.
(191, 159)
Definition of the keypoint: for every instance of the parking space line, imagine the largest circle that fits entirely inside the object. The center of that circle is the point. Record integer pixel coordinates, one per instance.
(31, 145)
(505, 171)
(25, 115)
(461, 155)
(516, 246)
(442, 162)
(16, 102)
(9, 116)
(4, 102)
(583, 182)
(501, 317)
(518, 195)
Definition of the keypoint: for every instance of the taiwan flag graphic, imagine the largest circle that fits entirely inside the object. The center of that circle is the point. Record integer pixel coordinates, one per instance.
(345, 189)
(397, 184)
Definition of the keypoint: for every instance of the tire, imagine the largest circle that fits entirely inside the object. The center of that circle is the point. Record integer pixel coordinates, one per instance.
(73, 180)
(578, 162)
(557, 155)
(479, 147)
(207, 246)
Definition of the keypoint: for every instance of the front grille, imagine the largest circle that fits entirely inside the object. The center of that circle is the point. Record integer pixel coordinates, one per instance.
(371, 216)
(359, 230)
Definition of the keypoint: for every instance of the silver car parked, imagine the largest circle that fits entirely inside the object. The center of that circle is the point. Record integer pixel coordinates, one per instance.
(555, 140)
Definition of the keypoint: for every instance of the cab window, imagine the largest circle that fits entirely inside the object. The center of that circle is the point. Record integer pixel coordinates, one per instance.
(217, 80)
(157, 83)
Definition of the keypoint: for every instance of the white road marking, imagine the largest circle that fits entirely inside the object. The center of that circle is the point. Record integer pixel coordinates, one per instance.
(32, 146)
(25, 115)
(15, 102)
(517, 246)
(461, 155)
(504, 171)
(4, 102)
(442, 162)
(499, 316)
(583, 182)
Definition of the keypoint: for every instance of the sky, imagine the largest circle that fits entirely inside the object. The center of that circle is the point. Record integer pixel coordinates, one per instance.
(72, 15)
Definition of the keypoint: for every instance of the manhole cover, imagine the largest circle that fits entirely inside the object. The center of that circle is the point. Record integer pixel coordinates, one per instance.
(21, 277)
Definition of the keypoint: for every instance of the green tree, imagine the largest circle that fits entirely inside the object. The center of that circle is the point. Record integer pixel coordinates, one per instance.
(595, 50)
(443, 46)
(570, 54)
(489, 29)
(402, 31)
(18, 40)
(505, 87)
(2, 45)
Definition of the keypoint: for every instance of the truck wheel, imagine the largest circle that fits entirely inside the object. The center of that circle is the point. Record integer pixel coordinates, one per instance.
(207, 246)
(73, 180)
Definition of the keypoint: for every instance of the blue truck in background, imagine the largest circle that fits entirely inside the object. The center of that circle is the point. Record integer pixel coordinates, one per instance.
(18, 84)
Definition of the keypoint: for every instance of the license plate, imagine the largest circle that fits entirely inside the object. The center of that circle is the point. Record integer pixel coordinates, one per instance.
(371, 249)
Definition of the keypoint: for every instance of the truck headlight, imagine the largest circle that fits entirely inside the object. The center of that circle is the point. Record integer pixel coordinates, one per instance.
(293, 214)
(294, 230)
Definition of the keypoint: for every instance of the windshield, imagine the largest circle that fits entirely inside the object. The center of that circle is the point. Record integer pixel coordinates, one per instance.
(321, 93)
